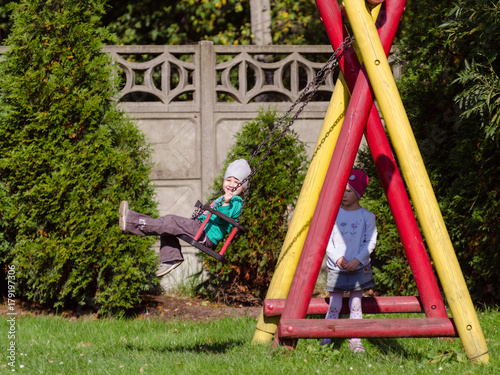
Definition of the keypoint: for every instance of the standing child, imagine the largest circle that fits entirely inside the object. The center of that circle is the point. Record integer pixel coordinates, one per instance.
(168, 227)
(351, 242)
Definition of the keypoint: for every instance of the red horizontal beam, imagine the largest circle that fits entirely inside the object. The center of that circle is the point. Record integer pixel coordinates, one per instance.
(343, 328)
(370, 305)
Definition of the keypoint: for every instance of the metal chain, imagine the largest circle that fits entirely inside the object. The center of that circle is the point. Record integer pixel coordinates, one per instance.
(320, 77)
(315, 84)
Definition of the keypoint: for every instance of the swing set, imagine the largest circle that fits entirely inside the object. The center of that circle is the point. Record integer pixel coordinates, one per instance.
(365, 76)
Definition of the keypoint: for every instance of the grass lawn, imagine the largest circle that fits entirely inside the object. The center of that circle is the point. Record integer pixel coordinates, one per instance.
(56, 345)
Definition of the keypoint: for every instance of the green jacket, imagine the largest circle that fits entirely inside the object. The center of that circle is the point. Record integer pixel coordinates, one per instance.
(217, 228)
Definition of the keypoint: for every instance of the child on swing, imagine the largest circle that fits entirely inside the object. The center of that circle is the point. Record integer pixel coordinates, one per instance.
(168, 227)
(351, 242)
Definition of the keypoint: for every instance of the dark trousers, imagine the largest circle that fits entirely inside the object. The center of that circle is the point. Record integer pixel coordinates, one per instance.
(168, 227)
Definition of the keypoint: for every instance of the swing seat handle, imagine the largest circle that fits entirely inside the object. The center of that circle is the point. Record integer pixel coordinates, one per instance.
(230, 220)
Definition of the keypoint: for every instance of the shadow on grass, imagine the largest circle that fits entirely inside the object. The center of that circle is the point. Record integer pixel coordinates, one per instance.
(210, 348)
(382, 348)
(391, 347)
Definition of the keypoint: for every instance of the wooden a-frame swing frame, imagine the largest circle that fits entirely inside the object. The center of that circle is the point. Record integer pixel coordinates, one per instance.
(375, 80)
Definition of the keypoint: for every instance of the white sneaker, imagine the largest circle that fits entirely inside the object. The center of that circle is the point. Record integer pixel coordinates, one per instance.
(356, 346)
(167, 267)
(123, 215)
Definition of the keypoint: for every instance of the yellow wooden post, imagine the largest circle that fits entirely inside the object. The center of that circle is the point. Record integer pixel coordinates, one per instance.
(306, 204)
(304, 210)
(418, 182)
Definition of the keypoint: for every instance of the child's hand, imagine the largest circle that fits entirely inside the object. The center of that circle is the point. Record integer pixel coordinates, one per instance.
(342, 263)
(348, 265)
(227, 197)
(352, 265)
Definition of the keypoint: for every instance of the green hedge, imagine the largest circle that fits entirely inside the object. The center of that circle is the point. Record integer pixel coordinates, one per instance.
(68, 156)
(269, 201)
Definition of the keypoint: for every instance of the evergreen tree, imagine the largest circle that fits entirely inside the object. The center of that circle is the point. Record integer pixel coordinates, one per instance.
(68, 156)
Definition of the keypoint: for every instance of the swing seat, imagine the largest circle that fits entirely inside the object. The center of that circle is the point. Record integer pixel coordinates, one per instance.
(236, 231)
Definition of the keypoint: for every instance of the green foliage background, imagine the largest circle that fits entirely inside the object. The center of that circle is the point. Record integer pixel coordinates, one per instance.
(223, 22)
(189, 21)
(68, 156)
(269, 201)
(450, 89)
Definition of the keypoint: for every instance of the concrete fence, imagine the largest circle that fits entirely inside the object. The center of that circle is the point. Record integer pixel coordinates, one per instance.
(191, 100)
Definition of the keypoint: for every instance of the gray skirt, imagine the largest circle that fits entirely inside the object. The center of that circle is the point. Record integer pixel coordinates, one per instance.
(341, 281)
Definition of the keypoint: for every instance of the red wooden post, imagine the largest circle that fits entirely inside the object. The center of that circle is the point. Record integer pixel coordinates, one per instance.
(393, 327)
(326, 211)
(406, 223)
(370, 305)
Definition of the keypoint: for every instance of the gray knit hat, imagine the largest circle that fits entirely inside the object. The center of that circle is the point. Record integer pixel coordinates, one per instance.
(238, 169)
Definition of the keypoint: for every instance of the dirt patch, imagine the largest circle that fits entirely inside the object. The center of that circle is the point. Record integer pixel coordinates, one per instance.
(165, 307)
(193, 309)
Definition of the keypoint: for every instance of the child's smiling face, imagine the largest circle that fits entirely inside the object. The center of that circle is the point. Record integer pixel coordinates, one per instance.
(230, 183)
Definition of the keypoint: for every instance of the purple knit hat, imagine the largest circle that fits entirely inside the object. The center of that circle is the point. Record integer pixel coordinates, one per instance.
(358, 181)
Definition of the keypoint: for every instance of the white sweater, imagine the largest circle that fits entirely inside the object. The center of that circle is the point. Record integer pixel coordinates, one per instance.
(354, 235)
